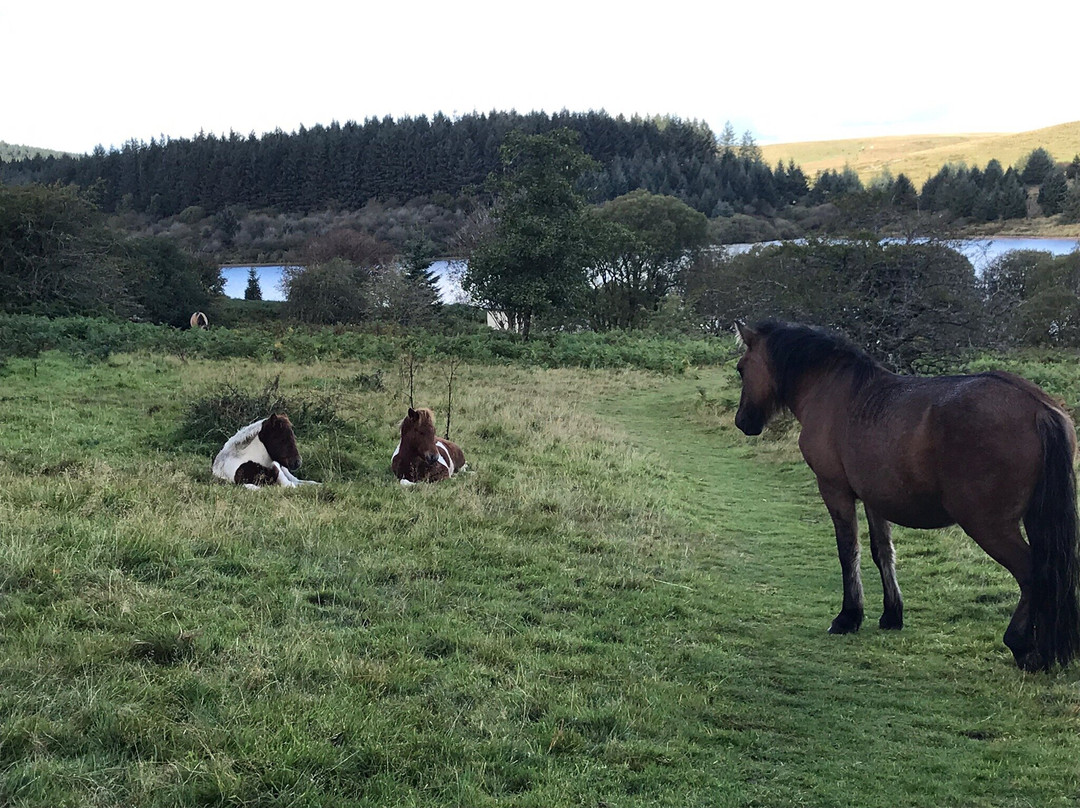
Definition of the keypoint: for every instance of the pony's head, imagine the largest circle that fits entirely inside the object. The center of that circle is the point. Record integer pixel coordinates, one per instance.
(277, 436)
(759, 400)
(418, 435)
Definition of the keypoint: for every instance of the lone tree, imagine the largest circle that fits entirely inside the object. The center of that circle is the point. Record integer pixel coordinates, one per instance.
(534, 261)
(253, 290)
(416, 261)
(646, 241)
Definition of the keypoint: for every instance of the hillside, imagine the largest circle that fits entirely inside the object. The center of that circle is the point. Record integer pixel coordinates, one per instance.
(10, 152)
(920, 156)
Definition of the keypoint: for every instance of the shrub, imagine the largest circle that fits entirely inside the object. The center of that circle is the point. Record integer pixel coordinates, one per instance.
(210, 421)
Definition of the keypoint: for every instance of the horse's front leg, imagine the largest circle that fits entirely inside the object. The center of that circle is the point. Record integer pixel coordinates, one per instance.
(841, 505)
(881, 548)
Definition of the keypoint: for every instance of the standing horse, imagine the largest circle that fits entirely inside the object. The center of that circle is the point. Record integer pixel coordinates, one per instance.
(198, 320)
(261, 454)
(420, 456)
(985, 451)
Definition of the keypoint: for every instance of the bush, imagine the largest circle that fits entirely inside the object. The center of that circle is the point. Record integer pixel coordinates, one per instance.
(210, 421)
(327, 293)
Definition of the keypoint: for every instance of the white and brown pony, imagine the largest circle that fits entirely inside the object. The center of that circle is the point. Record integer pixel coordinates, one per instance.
(263, 453)
(198, 320)
(422, 457)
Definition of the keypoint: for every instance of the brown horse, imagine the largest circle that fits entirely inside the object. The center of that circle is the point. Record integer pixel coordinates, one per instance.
(985, 451)
(420, 456)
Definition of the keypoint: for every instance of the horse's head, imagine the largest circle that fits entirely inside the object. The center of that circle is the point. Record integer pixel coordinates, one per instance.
(758, 401)
(277, 436)
(418, 435)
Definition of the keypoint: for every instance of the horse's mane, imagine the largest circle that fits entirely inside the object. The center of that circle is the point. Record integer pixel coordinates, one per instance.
(427, 416)
(795, 350)
(245, 435)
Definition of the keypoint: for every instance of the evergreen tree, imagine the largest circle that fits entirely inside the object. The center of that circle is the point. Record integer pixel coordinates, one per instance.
(727, 137)
(1037, 167)
(1013, 197)
(1070, 210)
(253, 290)
(748, 148)
(416, 262)
(1053, 192)
(904, 195)
(1072, 171)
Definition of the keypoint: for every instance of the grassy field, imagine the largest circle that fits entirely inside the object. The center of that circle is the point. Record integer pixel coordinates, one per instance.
(921, 156)
(623, 602)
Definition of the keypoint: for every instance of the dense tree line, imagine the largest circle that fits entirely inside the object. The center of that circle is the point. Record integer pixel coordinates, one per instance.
(346, 165)
(445, 160)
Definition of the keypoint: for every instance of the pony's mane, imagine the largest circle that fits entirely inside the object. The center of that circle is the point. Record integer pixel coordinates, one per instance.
(245, 435)
(427, 416)
(795, 350)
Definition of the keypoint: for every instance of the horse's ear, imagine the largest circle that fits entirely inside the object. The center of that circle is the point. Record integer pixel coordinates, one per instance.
(273, 419)
(413, 413)
(745, 334)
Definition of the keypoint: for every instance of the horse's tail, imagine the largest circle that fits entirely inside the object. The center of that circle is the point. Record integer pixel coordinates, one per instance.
(1051, 523)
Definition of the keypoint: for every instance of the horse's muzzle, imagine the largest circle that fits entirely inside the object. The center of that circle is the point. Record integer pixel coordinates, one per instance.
(749, 425)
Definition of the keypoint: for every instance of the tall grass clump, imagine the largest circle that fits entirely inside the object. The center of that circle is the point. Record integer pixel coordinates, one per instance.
(215, 417)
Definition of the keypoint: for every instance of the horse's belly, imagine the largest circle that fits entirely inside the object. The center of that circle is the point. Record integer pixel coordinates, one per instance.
(906, 507)
(917, 517)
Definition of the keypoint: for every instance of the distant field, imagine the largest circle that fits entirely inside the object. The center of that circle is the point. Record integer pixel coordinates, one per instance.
(920, 156)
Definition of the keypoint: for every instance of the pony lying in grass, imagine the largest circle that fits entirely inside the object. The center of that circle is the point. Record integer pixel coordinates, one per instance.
(985, 452)
(261, 454)
(420, 456)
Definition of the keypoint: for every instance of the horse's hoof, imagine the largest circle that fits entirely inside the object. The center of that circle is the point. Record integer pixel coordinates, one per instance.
(845, 623)
(891, 622)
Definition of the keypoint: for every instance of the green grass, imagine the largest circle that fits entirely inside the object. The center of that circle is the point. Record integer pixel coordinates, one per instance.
(623, 602)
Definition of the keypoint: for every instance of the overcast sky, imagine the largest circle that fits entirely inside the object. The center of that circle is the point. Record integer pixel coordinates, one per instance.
(80, 74)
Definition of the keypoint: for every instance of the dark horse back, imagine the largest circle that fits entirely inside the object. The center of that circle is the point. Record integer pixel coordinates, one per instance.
(1051, 524)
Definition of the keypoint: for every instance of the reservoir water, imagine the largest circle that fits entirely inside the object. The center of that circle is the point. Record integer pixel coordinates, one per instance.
(979, 251)
(236, 277)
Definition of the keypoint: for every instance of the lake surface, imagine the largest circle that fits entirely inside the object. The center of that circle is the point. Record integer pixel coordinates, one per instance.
(448, 273)
(982, 252)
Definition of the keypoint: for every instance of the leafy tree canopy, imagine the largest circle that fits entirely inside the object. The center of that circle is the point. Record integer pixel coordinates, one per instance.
(534, 260)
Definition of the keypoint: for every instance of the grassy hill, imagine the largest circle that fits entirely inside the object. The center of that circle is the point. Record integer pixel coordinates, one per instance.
(920, 156)
(11, 151)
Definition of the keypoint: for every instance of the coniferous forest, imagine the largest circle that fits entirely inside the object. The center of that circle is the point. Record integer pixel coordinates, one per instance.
(345, 166)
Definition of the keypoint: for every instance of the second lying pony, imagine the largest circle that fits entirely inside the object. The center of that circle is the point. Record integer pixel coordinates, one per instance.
(420, 456)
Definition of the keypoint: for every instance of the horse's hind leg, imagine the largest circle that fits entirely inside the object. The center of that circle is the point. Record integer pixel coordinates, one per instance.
(881, 548)
(1005, 544)
(841, 505)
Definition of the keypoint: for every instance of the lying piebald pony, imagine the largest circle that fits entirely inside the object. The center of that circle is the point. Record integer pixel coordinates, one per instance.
(261, 454)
